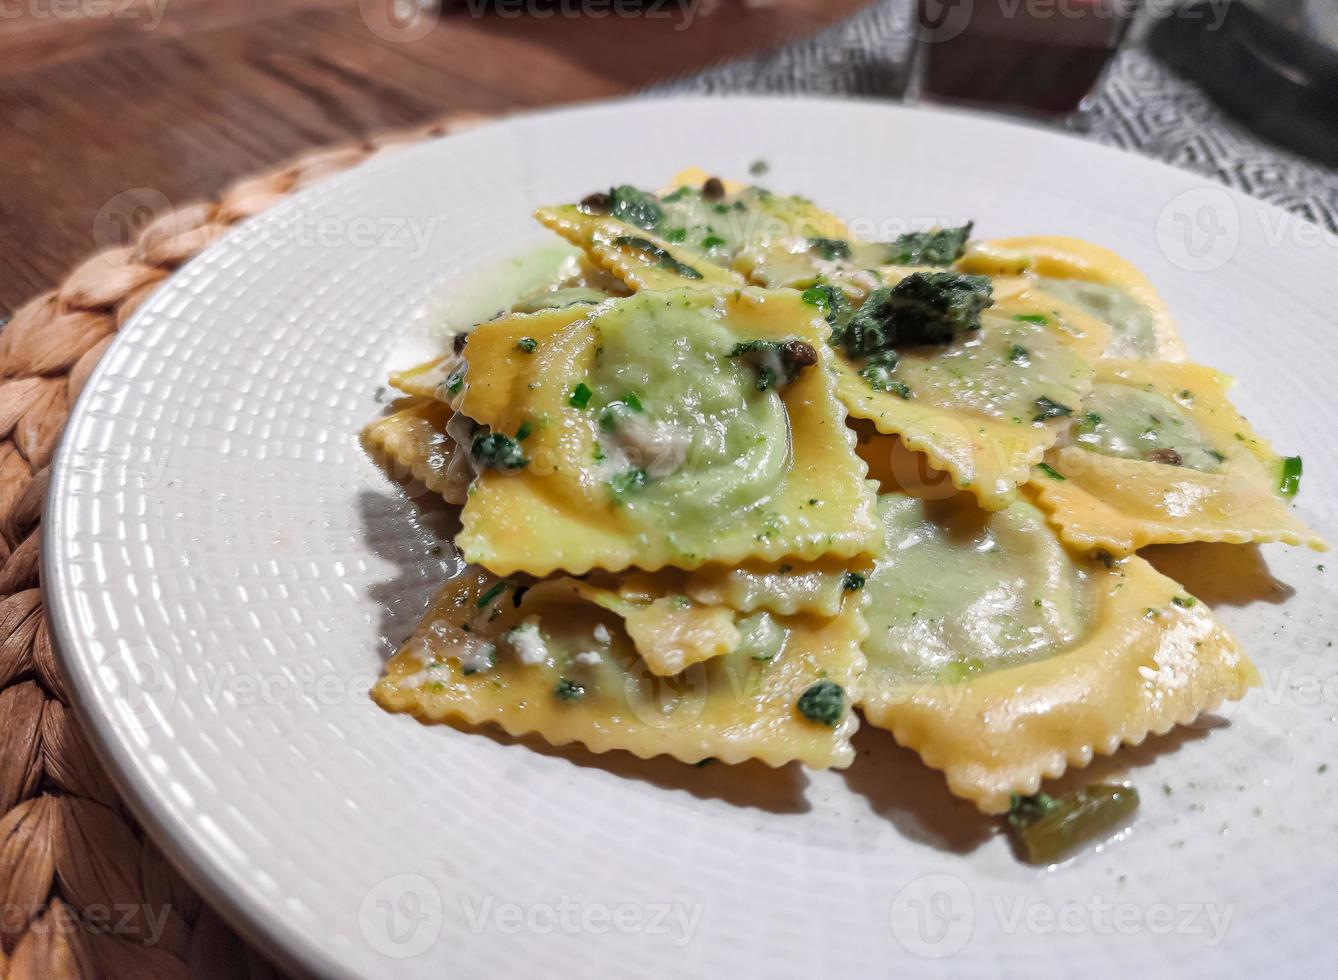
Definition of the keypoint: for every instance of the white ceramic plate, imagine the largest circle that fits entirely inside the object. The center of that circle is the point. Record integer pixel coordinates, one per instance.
(226, 573)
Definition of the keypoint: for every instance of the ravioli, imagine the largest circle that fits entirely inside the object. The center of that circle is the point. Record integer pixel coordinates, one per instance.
(1160, 456)
(684, 461)
(412, 441)
(1092, 278)
(707, 233)
(1002, 658)
(549, 661)
(636, 256)
(645, 433)
(429, 379)
(985, 407)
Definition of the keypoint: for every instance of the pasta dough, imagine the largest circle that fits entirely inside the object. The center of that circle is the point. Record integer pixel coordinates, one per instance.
(1002, 658)
(413, 442)
(649, 441)
(985, 407)
(548, 660)
(677, 546)
(1093, 278)
(1161, 457)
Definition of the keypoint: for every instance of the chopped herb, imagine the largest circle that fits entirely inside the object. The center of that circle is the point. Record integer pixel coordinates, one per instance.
(676, 195)
(493, 450)
(497, 589)
(661, 257)
(1184, 601)
(1050, 471)
(924, 308)
(624, 483)
(523, 432)
(833, 303)
(712, 241)
(1040, 318)
(823, 703)
(580, 395)
(1089, 421)
(566, 690)
(1049, 828)
(830, 249)
(1048, 409)
(899, 388)
(527, 344)
(815, 296)
(455, 381)
(778, 363)
(1019, 354)
(853, 582)
(614, 411)
(675, 235)
(941, 247)
(1290, 481)
(1220, 457)
(626, 203)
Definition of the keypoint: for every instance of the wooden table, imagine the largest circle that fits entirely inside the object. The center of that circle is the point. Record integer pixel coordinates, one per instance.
(101, 97)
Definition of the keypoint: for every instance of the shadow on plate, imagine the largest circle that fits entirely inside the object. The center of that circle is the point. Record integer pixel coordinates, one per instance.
(1220, 574)
(422, 555)
(915, 799)
(749, 784)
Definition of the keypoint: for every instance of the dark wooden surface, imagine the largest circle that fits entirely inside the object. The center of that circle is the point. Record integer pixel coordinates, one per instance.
(184, 96)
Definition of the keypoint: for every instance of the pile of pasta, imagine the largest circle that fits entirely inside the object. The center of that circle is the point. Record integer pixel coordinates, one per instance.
(734, 478)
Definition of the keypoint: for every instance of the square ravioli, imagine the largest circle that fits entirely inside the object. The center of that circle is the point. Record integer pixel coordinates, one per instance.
(413, 442)
(674, 428)
(1002, 657)
(557, 659)
(1092, 278)
(1160, 456)
(984, 404)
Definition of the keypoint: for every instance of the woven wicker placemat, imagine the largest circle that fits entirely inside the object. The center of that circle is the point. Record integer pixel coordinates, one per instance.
(84, 893)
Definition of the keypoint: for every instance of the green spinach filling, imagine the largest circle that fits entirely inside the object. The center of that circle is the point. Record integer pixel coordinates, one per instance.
(1133, 423)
